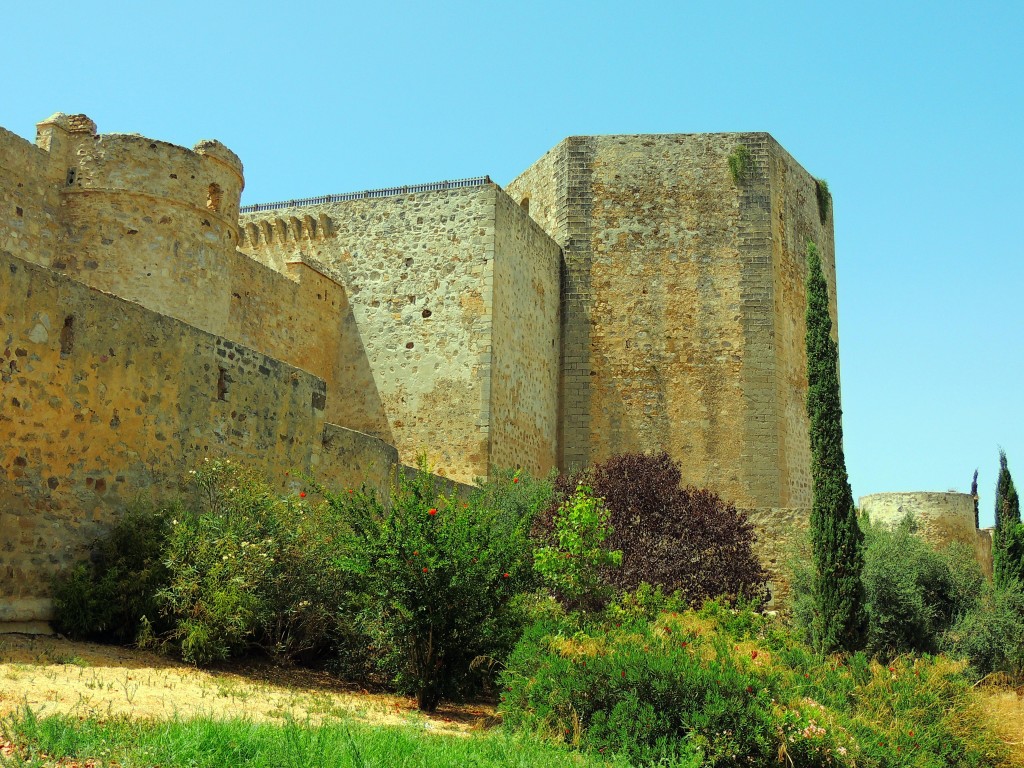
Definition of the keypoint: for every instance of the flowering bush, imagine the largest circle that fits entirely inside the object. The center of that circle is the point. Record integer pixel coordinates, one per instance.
(659, 691)
(250, 567)
(438, 576)
(727, 687)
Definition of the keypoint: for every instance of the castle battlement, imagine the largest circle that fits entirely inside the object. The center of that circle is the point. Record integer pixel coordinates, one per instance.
(268, 230)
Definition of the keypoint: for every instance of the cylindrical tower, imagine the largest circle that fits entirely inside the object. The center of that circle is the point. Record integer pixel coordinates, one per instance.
(942, 518)
(152, 222)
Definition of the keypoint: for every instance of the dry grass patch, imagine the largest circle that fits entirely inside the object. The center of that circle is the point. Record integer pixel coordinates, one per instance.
(54, 676)
(1003, 707)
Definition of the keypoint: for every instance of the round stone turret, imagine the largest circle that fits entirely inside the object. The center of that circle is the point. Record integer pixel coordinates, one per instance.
(942, 519)
(147, 220)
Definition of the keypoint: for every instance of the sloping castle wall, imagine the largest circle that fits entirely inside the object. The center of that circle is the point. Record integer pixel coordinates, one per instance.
(103, 401)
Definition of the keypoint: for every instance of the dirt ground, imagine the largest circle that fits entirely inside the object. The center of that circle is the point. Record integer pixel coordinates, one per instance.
(52, 675)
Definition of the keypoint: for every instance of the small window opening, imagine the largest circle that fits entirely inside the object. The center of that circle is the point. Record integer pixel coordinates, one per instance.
(222, 384)
(214, 196)
(525, 204)
(67, 335)
(72, 175)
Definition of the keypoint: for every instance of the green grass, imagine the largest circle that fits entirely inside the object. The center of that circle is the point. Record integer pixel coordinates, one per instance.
(206, 743)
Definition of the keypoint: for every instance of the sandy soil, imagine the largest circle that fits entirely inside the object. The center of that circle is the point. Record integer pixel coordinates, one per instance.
(51, 675)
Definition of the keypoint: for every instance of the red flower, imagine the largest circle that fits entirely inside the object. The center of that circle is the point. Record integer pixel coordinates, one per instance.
(432, 512)
(753, 654)
(623, 673)
(504, 575)
(302, 494)
(750, 689)
(515, 479)
(424, 569)
(415, 551)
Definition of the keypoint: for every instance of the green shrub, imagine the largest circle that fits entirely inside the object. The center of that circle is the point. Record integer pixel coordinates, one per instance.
(572, 565)
(728, 687)
(991, 635)
(107, 597)
(681, 539)
(673, 689)
(438, 577)
(913, 593)
(250, 568)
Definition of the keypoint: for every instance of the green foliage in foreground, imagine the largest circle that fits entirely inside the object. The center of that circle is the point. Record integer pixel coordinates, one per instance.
(214, 744)
(438, 577)
(913, 593)
(107, 597)
(721, 687)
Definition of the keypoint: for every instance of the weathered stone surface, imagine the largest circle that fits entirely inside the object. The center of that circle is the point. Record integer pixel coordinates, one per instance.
(114, 403)
(942, 519)
(451, 329)
(683, 305)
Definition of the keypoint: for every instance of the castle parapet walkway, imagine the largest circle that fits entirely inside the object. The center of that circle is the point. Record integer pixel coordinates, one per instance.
(434, 186)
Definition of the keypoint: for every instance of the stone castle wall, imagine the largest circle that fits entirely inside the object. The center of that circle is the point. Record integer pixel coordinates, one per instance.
(102, 401)
(625, 293)
(157, 224)
(419, 271)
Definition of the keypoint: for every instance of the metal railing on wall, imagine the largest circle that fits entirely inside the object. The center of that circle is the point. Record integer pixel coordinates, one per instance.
(434, 186)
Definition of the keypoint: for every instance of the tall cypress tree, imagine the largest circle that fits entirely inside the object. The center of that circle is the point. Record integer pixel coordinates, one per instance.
(838, 544)
(1008, 544)
(974, 495)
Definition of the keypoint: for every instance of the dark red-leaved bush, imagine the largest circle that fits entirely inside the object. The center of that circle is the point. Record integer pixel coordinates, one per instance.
(684, 539)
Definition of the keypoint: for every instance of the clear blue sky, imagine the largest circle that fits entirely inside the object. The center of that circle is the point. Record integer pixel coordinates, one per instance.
(914, 113)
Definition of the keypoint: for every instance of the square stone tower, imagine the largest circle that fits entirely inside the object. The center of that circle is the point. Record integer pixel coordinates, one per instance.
(683, 300)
